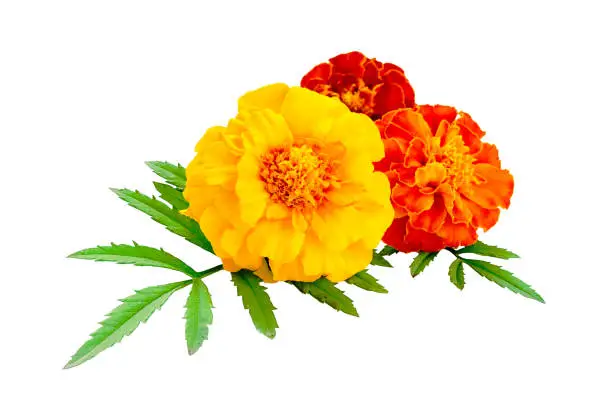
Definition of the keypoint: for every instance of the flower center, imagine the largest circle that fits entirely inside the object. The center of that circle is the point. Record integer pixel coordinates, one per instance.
(358, 98)
(455, 157)
(298, 176)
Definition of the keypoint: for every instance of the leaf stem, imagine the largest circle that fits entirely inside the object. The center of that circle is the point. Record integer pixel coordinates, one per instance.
(454, 252)
(208, 272)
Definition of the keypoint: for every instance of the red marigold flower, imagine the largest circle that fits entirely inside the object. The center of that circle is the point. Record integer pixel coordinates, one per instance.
(363, 84)
(445, 182)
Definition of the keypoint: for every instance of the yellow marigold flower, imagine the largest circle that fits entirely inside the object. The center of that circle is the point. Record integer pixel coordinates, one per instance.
(291, 179)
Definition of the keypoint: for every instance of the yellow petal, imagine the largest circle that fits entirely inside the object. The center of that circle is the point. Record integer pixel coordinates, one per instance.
(290, 271)
(212, 135)
(265, 129)
(276, 240)
(250, 190)
(267, 97)
(313, 256)
(212, 226)
(264, 273)
(357, 257)
(359, 134)
(306, 111)
(277, 211)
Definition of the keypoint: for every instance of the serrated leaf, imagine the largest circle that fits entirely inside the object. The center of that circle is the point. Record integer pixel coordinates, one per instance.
(481, 248)
(171, 195)
(328, 293)
(168, 217)
(388, 250)
(366, 281)
(198, 316)
(139, 255)
(173, 174)
(255, 299)
(456, 274)
(379, 260)
(503, 278)
(124, 319)
(421, 261)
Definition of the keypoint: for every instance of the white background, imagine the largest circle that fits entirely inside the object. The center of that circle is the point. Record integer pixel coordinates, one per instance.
(91, 90)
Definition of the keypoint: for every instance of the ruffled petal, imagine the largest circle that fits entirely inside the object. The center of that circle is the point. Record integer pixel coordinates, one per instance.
(267, 97)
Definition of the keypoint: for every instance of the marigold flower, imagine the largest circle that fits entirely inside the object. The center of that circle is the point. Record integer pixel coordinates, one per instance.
(363, 84)
(445, 182)
(291, 179)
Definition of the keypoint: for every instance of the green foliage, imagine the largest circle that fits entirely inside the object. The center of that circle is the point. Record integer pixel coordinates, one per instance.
(456, 274)
(255, 299)
(503, 278)
(379, 260)
(168, 217)
(326, 292)
(388, 250)
(366, 281)
(481, 248)
(173, 174)
(124, 319)
(421, 261)
(198, 316)
(135, 255)
(172, 196)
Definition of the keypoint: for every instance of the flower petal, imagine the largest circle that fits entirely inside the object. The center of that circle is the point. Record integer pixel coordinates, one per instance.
(267, 97)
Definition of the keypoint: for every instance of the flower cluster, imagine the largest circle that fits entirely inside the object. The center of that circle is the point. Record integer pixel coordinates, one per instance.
(445, 182)
(301, 186)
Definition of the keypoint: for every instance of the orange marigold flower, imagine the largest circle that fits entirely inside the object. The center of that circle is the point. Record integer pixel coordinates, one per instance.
(445, 182)
(363, 84)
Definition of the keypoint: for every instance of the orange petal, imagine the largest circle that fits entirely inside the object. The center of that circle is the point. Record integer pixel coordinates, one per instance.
(410, 198)
(432, 219)
(434, 114)
(482, 217)
(495, 188)
(488, 154)
(430, 175)
(460, 234)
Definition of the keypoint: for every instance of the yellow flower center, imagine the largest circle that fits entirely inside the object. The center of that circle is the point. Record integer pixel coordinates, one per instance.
(298, 176)
(455, 157)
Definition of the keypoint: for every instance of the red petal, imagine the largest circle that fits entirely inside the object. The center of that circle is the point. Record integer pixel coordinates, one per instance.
(388, 97)
(318, 75)
(371, 75)
(434, 114)
(350, 63)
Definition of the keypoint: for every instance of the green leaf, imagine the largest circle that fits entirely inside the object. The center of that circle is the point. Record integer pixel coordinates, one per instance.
(388, 250)
(503, 278)
(421, 261)
(168, 217)
(255, 299)
(366, 281)
(173, 174)
(171, 195)
(198, 316)
(135, 255)
(379, 260)
(326, 292)
(456, 274)
(481, 248)
(124, 319)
